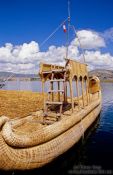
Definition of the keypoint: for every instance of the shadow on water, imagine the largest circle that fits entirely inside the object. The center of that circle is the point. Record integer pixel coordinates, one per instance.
(64, 163)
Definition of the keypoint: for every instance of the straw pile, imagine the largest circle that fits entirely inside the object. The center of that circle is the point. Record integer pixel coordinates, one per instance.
(19, 103)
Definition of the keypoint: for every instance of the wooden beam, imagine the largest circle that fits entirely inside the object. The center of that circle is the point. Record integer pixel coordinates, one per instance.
(52, 76)
(88, 90)
(65, 88)
(86, 81)
(77, 90)
(65, 92)
(54, 102)
(71, 94)
(43, 87)
(58, 91)
(82, 86)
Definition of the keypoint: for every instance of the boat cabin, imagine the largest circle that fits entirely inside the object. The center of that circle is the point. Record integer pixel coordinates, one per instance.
(73, 73)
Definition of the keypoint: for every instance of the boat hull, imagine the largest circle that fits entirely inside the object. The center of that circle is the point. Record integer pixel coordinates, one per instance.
(12, 158)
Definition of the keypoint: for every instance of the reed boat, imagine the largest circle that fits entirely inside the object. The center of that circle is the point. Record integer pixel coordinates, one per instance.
(35, 140)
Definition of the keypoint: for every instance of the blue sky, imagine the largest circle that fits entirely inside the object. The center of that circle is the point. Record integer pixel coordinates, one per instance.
(26, 20)
(23, 21)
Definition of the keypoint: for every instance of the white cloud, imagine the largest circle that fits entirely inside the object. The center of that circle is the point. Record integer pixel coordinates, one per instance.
(96, 59)
(5, 53)
(25, 58)
(25, 68)
(19, 54)
(28, 50)
(108, 34)
(89, 40)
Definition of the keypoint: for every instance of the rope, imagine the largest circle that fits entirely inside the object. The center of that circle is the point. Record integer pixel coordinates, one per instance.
(79, 42)
(9, 77)
(67, 35)
(51, 35)
(69, 9)
(5, 80)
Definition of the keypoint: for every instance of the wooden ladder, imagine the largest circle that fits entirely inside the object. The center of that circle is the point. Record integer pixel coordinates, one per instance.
(51, 93)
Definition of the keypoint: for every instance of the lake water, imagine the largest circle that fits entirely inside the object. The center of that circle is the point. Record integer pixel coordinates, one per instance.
(34, 86)
(94, 153)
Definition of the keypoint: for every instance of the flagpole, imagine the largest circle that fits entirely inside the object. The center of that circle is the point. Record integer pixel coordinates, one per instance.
(67, 36)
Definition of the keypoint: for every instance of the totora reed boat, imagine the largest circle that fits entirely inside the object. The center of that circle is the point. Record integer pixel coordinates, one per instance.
(71, 105)
(36, 140)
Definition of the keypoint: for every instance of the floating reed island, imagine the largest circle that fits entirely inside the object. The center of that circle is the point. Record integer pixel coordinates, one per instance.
(48, 124)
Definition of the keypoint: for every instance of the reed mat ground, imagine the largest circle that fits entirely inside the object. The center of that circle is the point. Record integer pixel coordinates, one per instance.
(19, 103)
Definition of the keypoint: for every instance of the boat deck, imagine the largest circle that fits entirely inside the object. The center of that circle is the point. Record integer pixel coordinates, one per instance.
(37, 120)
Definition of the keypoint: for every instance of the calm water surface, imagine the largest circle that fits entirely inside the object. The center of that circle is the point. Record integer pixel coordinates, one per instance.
(94, 153)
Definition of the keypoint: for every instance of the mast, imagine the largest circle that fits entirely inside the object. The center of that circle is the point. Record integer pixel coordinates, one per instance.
(67, 45)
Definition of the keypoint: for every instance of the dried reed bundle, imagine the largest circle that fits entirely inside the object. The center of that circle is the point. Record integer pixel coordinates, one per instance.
(19, 103)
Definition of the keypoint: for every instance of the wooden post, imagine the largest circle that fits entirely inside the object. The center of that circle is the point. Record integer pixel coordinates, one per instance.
(65, 92)
(65, 88)
(77, 90)
(52, 86)
(43, 86)
(58, 92)
(82, 86)
(86, 81)
(71, 94)
(88, 90)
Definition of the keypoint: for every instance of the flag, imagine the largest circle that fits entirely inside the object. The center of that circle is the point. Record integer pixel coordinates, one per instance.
(64, 28)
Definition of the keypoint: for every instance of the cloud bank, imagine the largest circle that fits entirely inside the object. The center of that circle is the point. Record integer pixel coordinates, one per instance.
(89, 40)
(25, 58)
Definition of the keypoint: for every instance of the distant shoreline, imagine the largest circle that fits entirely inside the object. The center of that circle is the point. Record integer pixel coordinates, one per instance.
(38, 79)
(106, 81)
(22, 79)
